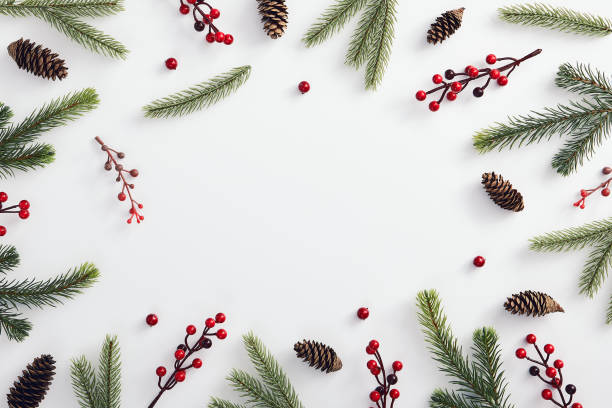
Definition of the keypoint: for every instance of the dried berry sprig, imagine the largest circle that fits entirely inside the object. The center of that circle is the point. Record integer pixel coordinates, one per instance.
(554, 372)
(384, 391)
(184, 352)
(203, 19)
(452, 89)
(23, 210)
(604, 187)
(112, 162)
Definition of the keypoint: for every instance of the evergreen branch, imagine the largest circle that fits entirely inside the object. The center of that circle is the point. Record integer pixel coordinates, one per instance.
(221, 403)
(450, 399)
(380, 51)
(253, 390)
(271, 372)
(362, 39)
(84, 382)
(332, 20)
(584, 80)
(108, 387)
(573, 238)
(75, 8)
(487, 356)
(558, 18)
(609, 313)
(9, 258)
(25, 158)
(13, 326)
(596, 269)
(199, 96)
(32, 293)
(5, 115)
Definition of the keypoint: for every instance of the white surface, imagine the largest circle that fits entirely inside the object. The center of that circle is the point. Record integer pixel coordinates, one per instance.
(288, 212)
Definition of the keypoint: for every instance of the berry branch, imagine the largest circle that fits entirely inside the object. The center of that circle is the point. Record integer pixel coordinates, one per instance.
(384, 391)
(23, 211)
(452, 89)
(553, 372)
(206, 19)
(184, 351)
(111, 162)
(605, 189)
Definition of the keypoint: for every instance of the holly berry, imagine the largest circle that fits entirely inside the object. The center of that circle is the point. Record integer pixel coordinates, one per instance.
(583, 193)
(547, 394)
(161, 371)
(521, 353)
(151, 319)
(24, 204)
(229, 39)
(421, 95)
(494, 73)
(184, 9)
(219, 37)
(434, 106)
(179, 354)
(556, 382)
(397, 366)
(502, 80)
(304, 87)
(375, 371)
(473, 72)
(214, 13)
(371, 364)
(605, 192)
(551, 372)
(180, 376)
(375, 396)
(456, 86)
(3, 197)
(570, 389)
(210, 37)
(576, 405)
(478, 92)
(210, 322)
(2, 230)
(199, 25)
(451, 96)
(394, 394)
(370, 350)
(121, 196)
(196, 363)
(221, 334)
(606, 170)
(363, 313)
(437, 79)
(374, 344)
(491, 59)
(220, 318)
(479, 261)
(549, 348)
(191, 1)
(171, 63)
(23, 214)
(531, 338)
(467, 69)
(559, 364)
(191, 330)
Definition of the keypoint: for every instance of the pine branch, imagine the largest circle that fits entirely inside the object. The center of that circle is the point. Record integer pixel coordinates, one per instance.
(221, 403)
(449, 399)
(75, 8)
(363, 37)
(573, 238)
(253, 390)
(108, 387)
(558, 18)
(596, 269)
(609, 313)
(584, 80)
(25, 158)
(13, 326)
(84, 382)
(199, 96)
(487, 356)
(332, 20)
(9, 258)
(380, 51)
(5, 115)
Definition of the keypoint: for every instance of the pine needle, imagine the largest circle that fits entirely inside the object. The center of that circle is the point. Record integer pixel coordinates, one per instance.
(584, 80)
(75, 8)
(9, 258)
(221, 403)
(596, 269)
(558, 18)
(332, 20)
(199, 96)
(363, 37)
(609, 313)
(13, 326)
(380, 51)
(108, 387)
(83, 382)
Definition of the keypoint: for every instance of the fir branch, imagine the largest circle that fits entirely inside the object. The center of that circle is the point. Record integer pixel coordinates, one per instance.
(596, 269)
(9, 258)
(363, 37)
(108, 387)
(573, 238)
(584, 80)
(25, 158)
(221, 403)
(253, 390)
(487, 356)
(75, 8)
(84, 382)
(380, 51)
(558, 18)
(199, 96)
(450, 399)
(5, 115)
(332, 20)
(13, 326)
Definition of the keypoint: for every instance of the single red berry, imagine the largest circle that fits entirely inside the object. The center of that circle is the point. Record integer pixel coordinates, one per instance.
(3, 197)
(180, 376)
(456, 86)
(521, 353)
(421, 95)
(502, 80)
(375, 396)
(210, 322)
(214, 13)
(363, 313)
(374, 344)
(583, 193)
(184, 9)
(547, 394)
(491, 59)
(582, 206)
(121, 196)
(229, 39)
(437, 79)
(220, 318)
(549, 348)
(196, 363)
(207, 18)
(179, 354)
(210, 37)
(161, 371)
(151, 319)
(304, 87)
(397, 366)
(451, 96)
(434, 106)
(551, 372)
(221, 334)
(559, 363)
(370, 350)
(473, 72)
(605, 192)
(375, 371)
(371, 364)
(171, 63)
(576, 405)
(467, 69)
(2, 230)
(556, 382)
(531, 338)
(191, 1)
(134, 173)
(606, 170)
(494, 73)
(23, 214)
(394, 393)
(191, 330)
(219, 37)
(24, 204)
(479, 261)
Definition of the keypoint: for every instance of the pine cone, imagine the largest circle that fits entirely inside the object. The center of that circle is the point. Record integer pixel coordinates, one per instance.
(445, 26)
(37, 60)
(502, 193)
(319, 355)
(532, 303)
(274, 16)
(30, 389)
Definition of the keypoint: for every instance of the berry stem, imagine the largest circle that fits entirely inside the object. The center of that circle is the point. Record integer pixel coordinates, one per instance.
(584, 193)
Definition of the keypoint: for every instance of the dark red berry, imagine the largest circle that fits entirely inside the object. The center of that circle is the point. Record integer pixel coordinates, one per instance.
(375, 396)
(374, 344)
(3, 197)
(437, 79)
(210, 322)
(421, 95)
(397, 366)
(180, 376)
(547, 394)
(24, 204)
(196, 363)
(392, 379)
(134, 173)
(556, 382)
(199, 25)
(491, 59)
(304, 87)
(206, 343)
(534, 371)
(451, 96)
(220, 318)
(605, 192)
(210, 37)
(179, 354)
(219, 37)
(191, 330)
(434, 106)
(184, 9)
(479, 261)
(151, 319)
(23, 214)
(606, 170)
(502, 80)
(229, 39)
(494, 73)
(371, 364)
(221, 334)
(559, 364)
(161, 371)
(478, 92)
(531, 338)
(549, 348)
(171, 63)
(394, 393)
(449, 74)
(570, 389)
(551, 372)
(576, 405)
(121, 196)
(363, 313)
(521, 353)
(214, 13)
(2, 230)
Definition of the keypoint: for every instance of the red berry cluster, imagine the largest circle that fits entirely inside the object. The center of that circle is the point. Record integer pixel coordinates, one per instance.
(452, 88)
(111, 162)
(554, 373)
(184, 352)
(604, 187)
(203, 19)
(384, 391)
(23, 211)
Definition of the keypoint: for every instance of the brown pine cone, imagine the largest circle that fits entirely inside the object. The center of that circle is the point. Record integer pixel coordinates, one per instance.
(445, 26)
(37, 60)
(30, 389)
(274, 16)
(532, 303)
(320, 356)
(502, 193)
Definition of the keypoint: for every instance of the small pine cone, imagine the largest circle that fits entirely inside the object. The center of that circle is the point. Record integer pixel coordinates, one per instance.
(319, 355)
(37, 60)
(532, 303)
(445, 26)
(30, 389)
(274, 16)
(502, 193)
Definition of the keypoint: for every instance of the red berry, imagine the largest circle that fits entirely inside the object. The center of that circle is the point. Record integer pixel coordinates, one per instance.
(521, 353)
(161, 371)
(24, 204)
(559, 363)
(191, 330)
(184, 9)
(397, 366)
(229, 39)
(121, 196)
(219, 37)
(555, 382)
(179, 354)
(547, 394)
(191, 1)
(151, 319)
(375, 396)
(494, 73)
(180, 376)
(196, 363)
(491, 59)
(434, 106)
(473, 72)
(531, 338)
(374, 344)
(171, 63)
(421, 95)
(363, 313)
(502, 80)
(576, 405)
(375, 371)
(3, 197)
(549, 348)
(2, 230)
(583, 193)
(220, 318)
(479, 261)
(210, 37)
(370, 350)
(214, 13)
(437, 79)
(606, 170)
(304, 87)
(605, 192)
(467, 69)
(551, 372)
(23, 214)
(210, 323)
(394, 393)
(207, 19)
(221, 334)
(371, 364)
(451, 96)
(456, 86)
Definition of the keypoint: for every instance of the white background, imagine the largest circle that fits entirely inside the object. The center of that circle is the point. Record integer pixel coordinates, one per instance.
(288, 212)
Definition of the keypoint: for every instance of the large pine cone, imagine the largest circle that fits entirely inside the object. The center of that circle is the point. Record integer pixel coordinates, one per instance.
(445, 26)
(532, 303)
(502, 193)
(37, 60)
(318, 355)
(274, 16)
(30, 389)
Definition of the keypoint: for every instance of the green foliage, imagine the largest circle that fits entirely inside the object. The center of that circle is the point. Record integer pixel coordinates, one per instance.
(332, 20)
(479, 383)
(104, 389)
(17, 148)
(199, 96)
(558, 18)
(586, 122)
(64, 16)
(32, 293)
(274, 390)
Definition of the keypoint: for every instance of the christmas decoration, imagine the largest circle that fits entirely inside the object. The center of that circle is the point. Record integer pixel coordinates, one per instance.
(502, 193)
(383, 392)
(112, 163)
(37, 60)
(23, 211)
(318, 355)
(604, 187)
(273, 390)
(598, 235)
(199, 96)
(558, 18)
(372, 40)
(445, 26)
(30, 389)
(479, 261)
(480, 381)
(101, 389)
(304, 87)
(553, 372)
(65, 16)
(32, 293)
(363, 313)
(151, 319)
(585, 122)
(532, 303)
(203, 19)
(171, 63)
(184, 352)
(452, 89)
(17, 151)
(273, 16)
